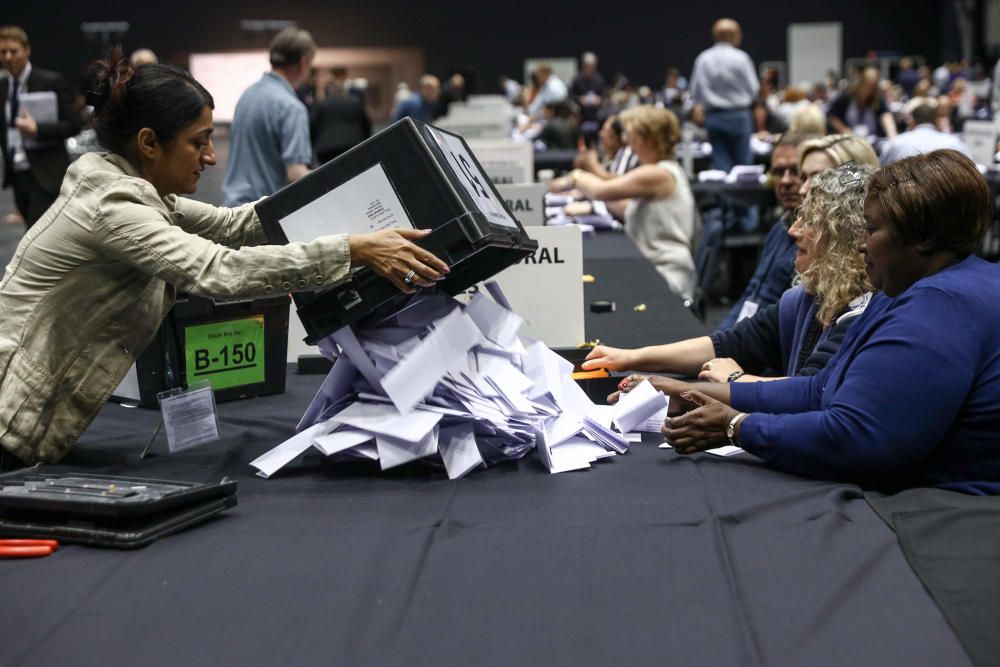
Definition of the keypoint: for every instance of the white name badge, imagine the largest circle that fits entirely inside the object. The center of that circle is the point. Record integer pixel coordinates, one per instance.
(749, 309)
(189, 416)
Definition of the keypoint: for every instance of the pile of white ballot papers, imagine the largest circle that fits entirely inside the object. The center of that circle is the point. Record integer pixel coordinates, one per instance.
(453, 383)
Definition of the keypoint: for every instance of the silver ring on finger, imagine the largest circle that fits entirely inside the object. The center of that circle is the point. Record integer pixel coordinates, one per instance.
(409, 277)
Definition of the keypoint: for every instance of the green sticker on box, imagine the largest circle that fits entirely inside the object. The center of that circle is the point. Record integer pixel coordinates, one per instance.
(228, 354)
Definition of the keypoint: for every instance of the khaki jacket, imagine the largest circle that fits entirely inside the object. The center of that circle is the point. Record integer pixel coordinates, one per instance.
(91, 281)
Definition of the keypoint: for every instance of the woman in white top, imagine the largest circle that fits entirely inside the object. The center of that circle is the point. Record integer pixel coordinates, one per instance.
(654, 199)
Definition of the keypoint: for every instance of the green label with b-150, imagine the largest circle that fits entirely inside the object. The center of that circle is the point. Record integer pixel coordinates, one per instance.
(228, 354)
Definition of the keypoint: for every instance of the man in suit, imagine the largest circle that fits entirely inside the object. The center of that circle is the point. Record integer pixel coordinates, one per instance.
(34, 151)
(338, 120)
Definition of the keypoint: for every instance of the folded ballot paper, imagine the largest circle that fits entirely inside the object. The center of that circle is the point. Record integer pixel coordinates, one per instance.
(453, 383)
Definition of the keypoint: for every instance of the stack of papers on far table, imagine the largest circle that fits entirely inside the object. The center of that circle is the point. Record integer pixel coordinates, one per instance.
(451, 383)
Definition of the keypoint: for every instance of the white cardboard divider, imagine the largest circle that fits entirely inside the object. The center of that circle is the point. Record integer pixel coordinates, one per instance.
(546, 288)
(505, 162)
(526, 201)
(981, 138)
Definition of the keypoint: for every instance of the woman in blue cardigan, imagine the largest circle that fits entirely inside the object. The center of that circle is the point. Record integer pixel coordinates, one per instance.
(912, 398)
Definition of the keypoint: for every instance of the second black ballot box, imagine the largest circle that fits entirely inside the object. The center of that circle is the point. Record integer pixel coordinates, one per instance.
(410, 175)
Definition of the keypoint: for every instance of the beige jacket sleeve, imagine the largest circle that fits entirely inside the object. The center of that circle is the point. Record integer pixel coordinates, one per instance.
(231, 227)
(129, 228)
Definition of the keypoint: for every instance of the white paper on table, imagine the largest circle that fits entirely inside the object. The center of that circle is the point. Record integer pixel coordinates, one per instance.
(636, 406)
(546, 369)
(655, 423)
(555, 464)
(444, 349)
(633, 436)
(341, 439)
(459, 451)
(384, 419)
(508, 384)
(606, 436)
(351, 347)
(269, 463)
(497, 323)
(726, 450)
(393, 452)
(581, 448)
(603, 415)
(562, 428)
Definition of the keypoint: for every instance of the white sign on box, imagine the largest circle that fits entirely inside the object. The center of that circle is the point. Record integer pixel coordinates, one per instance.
(505, 161)
(366, 203)
(546, 288)
(526, 201)
(981, 138)
(473, 180)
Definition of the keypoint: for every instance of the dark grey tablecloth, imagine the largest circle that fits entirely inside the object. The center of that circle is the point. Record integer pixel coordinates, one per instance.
(648, 559)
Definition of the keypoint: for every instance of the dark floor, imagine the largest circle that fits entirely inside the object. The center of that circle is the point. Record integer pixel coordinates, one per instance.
(210, 191)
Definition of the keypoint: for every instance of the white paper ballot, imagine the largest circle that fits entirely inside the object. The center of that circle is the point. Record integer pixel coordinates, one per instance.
(727, 450)
(352, 349)
(457, 445)
(496, 322)
(638, 405)
(338, 383)
(269, 463)
(655, 423)
(341, 439)
(385, 419)
(443, 349)
(393, 452)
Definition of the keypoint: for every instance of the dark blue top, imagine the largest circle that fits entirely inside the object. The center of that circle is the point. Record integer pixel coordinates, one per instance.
(773, 274)
(417, 108)
(786, 338)
(912, 398)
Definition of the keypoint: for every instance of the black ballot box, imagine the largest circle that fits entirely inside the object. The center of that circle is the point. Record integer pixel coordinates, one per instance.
(410, 175)
(239, 346)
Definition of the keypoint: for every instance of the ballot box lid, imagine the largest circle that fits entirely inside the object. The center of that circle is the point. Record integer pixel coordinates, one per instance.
(409, 174)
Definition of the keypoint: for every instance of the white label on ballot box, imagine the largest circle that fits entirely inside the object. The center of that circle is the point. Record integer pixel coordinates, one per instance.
(366, 203)
(981, 138)
(473, 179)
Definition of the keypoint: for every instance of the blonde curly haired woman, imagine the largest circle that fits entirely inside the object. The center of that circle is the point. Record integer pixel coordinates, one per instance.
(799, 334)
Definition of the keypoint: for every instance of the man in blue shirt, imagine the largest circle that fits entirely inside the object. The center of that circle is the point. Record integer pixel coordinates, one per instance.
(776, 267)
(270, 145)
(423, 106)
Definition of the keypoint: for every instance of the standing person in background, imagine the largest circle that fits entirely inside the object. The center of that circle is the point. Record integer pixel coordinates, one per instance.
(724, 82)
(34, 150)
(548, 88)
(922, 137)
(339, 121)
(270, 145)
(422, 106)
(587, 91)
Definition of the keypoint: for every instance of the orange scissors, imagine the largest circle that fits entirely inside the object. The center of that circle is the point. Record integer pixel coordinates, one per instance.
(27, 548)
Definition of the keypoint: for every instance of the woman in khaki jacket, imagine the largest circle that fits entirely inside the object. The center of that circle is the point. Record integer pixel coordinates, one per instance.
(91, 281)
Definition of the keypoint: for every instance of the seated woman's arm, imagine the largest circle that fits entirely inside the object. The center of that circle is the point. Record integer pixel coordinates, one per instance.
(753, 342)
(646, 181)
(901, 392)
(684, 357)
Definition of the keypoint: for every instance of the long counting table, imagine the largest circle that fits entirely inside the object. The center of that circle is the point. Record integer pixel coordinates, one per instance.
(649, 558)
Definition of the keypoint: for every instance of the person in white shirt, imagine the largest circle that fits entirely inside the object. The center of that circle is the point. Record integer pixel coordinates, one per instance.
(550, 89)
(922, 137)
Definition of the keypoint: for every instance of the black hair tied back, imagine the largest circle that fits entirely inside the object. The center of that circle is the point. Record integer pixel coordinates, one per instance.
(127, 99)
(109, 78)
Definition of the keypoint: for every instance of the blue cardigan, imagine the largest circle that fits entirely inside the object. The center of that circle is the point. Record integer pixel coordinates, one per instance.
(912, 398)
(775, 339)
